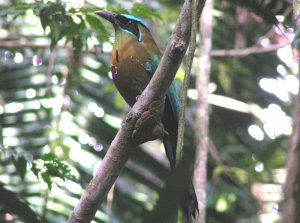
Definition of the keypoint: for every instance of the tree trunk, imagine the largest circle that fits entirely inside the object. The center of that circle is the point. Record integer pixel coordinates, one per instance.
(291, 205)
(202, 116)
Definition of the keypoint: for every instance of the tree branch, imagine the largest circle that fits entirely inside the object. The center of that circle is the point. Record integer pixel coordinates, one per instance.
(202, 114)
(185, 85)
(247, 51)
(291, 203)
(14, 205)
(23, 43)
(290, 206)
(124, 144)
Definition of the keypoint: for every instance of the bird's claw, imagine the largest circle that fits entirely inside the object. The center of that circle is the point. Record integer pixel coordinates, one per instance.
(149, 126)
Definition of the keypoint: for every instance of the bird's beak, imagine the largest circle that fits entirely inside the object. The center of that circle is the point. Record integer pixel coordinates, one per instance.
(108, 16)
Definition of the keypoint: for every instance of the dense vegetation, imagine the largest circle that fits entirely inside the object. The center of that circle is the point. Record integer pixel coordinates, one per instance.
(59, 109)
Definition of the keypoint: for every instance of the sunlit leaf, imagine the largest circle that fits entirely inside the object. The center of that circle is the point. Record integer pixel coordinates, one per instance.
(95, 22)
(47, 179)
(117, 8)
(143, 10)
(55, 167)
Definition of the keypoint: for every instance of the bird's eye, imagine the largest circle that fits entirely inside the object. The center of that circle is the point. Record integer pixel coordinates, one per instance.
(130, 23)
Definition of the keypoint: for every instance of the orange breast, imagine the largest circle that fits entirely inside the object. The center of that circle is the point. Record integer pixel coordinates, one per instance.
(129, 73)
(128, 64)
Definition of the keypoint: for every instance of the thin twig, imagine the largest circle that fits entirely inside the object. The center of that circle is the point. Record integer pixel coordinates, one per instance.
(247, 51)
(109, 203)
(23, 43)
(186, 81)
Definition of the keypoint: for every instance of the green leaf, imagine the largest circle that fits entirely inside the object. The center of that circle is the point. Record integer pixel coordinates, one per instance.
(72, 10)
(23, 6)
(48, 157)
(61, 24)
(47, 12)
(118, 8)
(47, 179)
(95, 22)
(87, 10)
(55, 32)
(57, 168)
(48, 165)
(143, 10)
(77, 44)
(68, 27)
(119, 101)
(224, 77)
(21, 164)
(35, 169)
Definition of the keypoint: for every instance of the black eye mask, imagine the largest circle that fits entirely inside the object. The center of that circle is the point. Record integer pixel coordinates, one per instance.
(130, 25)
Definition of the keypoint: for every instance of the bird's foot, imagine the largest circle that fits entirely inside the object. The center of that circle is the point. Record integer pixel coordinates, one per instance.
(149, 126)
(138, 97)
(127, 118)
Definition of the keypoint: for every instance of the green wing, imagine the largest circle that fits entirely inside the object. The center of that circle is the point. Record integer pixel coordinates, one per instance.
(174, 89)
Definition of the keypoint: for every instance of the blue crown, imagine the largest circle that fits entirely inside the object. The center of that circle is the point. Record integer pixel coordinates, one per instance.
(136, 19)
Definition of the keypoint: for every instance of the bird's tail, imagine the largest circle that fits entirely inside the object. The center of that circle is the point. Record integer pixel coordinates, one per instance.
(190, 203)
(169, 148)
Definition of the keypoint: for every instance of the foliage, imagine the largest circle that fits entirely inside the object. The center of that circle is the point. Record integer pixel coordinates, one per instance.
(49, 165)
(59, 109)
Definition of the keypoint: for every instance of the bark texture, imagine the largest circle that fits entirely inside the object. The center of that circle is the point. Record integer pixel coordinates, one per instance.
(202, 114)
(290, 208)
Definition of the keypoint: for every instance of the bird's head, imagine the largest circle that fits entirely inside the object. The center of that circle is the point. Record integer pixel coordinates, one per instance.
(128, 24)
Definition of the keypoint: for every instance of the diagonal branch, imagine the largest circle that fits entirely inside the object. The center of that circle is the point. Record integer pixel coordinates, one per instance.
(185, 85)
(248, 51)
(14, 205)
(124, 144)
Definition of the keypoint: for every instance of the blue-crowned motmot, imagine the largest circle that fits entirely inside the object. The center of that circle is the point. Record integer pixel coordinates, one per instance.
(134, 59)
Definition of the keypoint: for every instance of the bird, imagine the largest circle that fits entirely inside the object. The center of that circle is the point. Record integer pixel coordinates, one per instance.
(135, 57)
